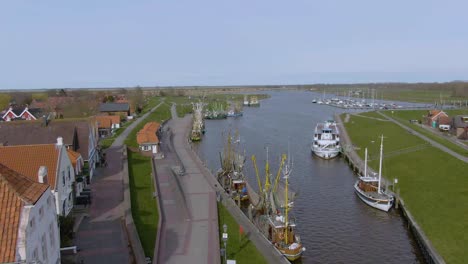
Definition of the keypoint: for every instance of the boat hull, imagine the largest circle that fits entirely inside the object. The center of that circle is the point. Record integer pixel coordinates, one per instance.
(326, 153)
(372, 202)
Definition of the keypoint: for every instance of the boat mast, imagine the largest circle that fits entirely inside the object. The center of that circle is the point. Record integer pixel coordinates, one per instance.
(286, 172)
(365, 164)
(380, 165)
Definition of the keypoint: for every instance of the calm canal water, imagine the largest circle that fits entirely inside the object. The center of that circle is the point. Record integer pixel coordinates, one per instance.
(334, 225)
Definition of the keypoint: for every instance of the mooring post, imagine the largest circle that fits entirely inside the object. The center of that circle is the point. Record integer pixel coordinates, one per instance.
(397, 200)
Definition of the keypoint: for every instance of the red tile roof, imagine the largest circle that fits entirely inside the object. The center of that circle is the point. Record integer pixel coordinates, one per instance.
(74, 157)
(27, 159)
(147, 135)
(16, 191)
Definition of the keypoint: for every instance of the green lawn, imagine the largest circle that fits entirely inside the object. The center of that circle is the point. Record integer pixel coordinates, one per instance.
(404, 115)
(144, 208)
(107, 142)
(433, 184)
(161, 114)
(239, 247)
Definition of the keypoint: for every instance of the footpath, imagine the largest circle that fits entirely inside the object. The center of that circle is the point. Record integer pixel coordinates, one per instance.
(432, 142)
(189, 231)
(102, 236)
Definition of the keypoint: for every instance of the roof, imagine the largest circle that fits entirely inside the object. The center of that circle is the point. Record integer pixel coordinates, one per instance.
(435, 113)
(114, 107)
(73, 156)
(459, 121)
(106, 121)
(27, 159)
(16, 191)
(103, 122)
(147, 135)
(18, 110)
(75, 133)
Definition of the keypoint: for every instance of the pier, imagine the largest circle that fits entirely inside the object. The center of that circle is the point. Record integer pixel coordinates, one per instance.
(357, 165)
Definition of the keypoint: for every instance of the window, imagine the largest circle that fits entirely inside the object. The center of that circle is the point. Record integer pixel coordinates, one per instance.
(69, 177)
(41, 212)
(31, 223)
(52, 234)
(63, 177)
(44, 247)
(35, 254)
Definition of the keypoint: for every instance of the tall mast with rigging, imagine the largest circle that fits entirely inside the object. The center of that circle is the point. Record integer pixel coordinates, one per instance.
(380, 163)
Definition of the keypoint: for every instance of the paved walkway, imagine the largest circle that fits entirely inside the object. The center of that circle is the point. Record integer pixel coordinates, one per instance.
(432, 142)
(102, 236)
(189, 233)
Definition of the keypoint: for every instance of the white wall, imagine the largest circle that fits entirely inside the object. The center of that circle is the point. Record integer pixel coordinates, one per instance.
(39, 236)
(64, 184)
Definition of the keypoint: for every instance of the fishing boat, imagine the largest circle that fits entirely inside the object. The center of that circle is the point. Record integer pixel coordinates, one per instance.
(246, 101)
(326, 142)
(254, 101)
(198, 125)
(216, 111)
(314, 101)
(272, 214)
(230, 175)
(369, 188)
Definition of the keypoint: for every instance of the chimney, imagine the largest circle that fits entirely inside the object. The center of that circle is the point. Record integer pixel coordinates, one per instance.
(60, 141)
(42, 174)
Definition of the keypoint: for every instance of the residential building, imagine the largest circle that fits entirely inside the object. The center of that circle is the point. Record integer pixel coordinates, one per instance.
(437, 117)
(27, 159)
(119, 109)
(21, 113)
(147, 137)
(79, 135)
(78, 166)
(107, 124)
(28, 222)
(460, 126)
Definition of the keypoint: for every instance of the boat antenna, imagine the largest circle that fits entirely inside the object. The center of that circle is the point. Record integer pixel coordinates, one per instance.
(380, 163)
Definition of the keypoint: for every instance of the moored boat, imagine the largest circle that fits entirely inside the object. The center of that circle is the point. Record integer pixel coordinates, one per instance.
(369, 188)
(272, 212)
(326, 142)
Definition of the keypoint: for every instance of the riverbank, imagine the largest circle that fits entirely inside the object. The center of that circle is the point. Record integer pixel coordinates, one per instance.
(430, 181)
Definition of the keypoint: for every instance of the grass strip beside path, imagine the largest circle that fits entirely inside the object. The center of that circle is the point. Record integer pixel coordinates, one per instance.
(432, 183)
(144, 208)
(239, 247)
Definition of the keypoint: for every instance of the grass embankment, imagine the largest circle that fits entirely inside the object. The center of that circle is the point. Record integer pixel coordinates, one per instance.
(159, 115)
(144, 208)
(404, 115)
(239, 247)
(107, 142)
(432, 183)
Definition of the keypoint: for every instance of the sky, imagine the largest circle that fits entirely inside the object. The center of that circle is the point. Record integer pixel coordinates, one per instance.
(114, 43)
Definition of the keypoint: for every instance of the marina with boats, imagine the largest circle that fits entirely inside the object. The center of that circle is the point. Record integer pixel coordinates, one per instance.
(271, 210)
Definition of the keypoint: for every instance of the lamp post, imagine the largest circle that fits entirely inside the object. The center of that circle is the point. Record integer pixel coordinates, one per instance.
(225, 238)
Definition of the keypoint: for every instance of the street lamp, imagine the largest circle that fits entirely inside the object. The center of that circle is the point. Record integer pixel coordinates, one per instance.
(225, 238)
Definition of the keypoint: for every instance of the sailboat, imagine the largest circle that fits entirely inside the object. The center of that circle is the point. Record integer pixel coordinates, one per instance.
(369, 189)
(272, 212)
(230, 175)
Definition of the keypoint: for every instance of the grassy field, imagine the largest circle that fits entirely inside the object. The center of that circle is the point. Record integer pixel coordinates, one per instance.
(432, 183)
(405, 115)
(161, 114)
(239, 247)
(144, 208)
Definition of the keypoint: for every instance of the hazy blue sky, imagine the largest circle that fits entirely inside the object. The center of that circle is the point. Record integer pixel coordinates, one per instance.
(101, 43)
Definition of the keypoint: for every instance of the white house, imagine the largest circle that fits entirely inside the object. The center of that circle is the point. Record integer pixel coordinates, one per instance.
(30, 231)
(28, 159)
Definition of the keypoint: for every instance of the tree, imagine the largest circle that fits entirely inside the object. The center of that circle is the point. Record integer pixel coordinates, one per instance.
(4, 100)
